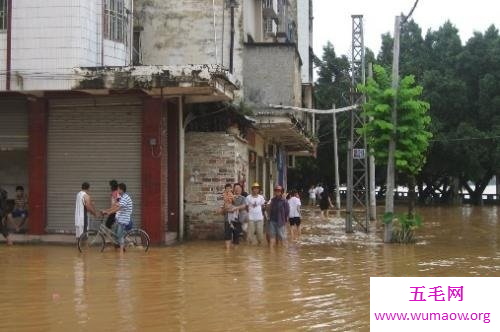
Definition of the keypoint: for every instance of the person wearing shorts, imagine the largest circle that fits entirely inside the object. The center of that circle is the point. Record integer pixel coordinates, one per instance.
(294, 218)
(3, 216)
(123, 208)
(278, 216)
(20, 211)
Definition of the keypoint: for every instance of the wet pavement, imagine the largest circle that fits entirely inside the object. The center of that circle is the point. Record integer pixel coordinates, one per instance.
(321, 283)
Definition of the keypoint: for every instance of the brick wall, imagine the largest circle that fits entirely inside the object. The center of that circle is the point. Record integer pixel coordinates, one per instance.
(211, 161)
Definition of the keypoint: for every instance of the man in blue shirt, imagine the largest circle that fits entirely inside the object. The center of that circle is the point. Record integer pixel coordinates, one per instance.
(123, 209)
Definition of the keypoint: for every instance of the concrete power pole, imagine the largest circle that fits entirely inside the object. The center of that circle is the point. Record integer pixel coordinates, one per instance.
(371, 164)
(336, 160)
(389, 195)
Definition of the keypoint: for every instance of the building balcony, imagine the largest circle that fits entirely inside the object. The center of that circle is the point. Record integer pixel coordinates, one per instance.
(197, 83)
(271, 75)
(270, 9)
(286, 129)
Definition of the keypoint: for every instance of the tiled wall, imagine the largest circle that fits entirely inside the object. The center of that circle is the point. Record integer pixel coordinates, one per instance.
(51, 37)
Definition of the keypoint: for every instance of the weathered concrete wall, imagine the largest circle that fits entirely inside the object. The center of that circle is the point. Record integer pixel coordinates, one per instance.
(272, 74)
(211, 161)
(252, 16)
(182, 32)
(304, 42)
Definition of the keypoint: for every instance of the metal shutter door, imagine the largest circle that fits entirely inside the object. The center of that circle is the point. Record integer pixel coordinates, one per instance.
(93, 140)
(13, 125)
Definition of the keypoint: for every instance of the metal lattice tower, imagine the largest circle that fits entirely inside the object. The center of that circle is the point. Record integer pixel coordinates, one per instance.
(357, 161)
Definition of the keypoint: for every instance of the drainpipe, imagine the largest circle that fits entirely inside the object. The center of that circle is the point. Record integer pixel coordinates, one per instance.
(231, 46)
(215, 32)
(9, 44)
(103, 19)
(130, 22)
(181, 169)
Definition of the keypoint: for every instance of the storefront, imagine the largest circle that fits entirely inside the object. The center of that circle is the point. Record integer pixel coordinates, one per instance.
(91, 140)
(13, 144)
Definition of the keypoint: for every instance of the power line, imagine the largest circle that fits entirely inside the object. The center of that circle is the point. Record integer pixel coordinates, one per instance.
(465, 139)
(405, 18)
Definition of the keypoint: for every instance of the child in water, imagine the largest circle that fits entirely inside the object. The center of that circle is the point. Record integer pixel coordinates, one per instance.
(228, 203)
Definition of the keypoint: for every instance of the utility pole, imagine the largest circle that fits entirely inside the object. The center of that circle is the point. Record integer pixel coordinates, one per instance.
(389, 195)
(357, 162)
(371, 162)
(336, 160)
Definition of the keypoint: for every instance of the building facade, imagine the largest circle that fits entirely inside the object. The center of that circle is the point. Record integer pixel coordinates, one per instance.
(260, 43)
(169, 97)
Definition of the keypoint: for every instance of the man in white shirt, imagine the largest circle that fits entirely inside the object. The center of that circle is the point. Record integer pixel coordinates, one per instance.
(255, 202)
(294, 217)
(83, 205)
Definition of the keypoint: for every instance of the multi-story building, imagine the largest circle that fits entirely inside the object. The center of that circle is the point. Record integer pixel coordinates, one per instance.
(261, 42)
(72, 109)
(169, 97)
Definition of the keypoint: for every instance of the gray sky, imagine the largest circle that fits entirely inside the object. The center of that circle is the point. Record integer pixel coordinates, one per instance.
(332, 19)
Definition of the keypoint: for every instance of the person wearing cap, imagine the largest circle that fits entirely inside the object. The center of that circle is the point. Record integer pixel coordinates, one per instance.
(255, 202)
(279, 211)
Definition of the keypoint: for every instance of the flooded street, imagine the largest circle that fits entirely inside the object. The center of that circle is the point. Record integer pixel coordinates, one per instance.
(320, 284)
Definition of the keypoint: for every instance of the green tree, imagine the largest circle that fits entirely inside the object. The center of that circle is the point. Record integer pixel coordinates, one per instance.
(411, 134)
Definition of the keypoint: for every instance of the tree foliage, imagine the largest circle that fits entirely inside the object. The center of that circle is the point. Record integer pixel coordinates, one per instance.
(411, 133)
(461, 82)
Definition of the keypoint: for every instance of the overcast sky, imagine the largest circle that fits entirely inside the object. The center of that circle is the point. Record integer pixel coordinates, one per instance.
(332, 19)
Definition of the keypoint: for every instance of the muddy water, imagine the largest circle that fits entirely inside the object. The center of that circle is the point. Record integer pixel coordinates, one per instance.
(320, 284)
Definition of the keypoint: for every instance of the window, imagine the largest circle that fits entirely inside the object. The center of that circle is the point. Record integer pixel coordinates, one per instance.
(136, 47)
(116, 21)
(3, 14)
(269, 26)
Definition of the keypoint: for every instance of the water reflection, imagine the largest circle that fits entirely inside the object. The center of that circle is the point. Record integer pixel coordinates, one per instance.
(80, 301)
(321, 283)
(126, 302)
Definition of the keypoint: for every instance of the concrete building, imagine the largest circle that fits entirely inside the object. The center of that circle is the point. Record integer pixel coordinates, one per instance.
(73, 110)
(258, 41)
(170, 97)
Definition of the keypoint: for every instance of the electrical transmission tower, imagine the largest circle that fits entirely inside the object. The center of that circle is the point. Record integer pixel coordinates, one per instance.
(357, 159)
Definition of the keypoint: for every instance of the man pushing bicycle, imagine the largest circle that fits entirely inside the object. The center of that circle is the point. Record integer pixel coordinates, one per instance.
(123, 209)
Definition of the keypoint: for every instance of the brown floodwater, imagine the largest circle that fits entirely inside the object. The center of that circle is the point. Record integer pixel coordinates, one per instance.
(321, 283)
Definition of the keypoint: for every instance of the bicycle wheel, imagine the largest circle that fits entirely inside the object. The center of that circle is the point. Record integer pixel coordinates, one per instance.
(91, 241)
(136, 240)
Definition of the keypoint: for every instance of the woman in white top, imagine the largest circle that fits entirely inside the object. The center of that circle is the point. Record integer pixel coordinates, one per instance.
(255, 203)
(294, 217)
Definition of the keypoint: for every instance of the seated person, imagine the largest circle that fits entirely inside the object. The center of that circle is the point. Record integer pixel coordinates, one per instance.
(3, 216)
(20, 211)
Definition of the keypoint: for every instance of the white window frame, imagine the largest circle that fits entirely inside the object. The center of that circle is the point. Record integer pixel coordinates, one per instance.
(116, 21)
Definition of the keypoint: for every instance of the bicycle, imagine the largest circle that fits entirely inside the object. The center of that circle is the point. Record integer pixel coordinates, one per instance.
(134, 239)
